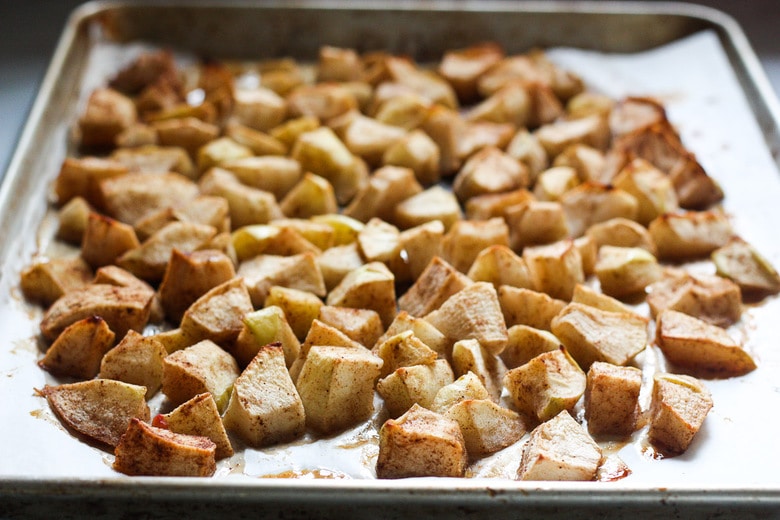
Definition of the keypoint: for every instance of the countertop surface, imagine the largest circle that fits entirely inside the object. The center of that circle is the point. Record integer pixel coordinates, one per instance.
(31, 29)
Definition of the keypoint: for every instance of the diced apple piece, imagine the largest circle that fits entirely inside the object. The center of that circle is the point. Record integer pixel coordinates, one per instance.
(189, 133)
(123, 308)
(81, 177)
(361, 325)
(525, 343)
(472, 313)
(270, 173)
(421, 243)
(108, 113)
(403, 350)
(417, 384)
(433, 287)
(677, 411)
(633, 113)
(371, 286)
(710, 298)
(220, 150)
(415, 151)
(289, 131)
(552, 183)
(526, 148)
(591, 203)
(336, 386)
(499, 265)
(322, 153)
(259, 108)
(526, 307)
(137, 360)
(585, 160)
(381, 242)
(322, 101)
(626, 271)
(469, 356)
(150, 451)
(467, 387)
(261, 143)
(425, 82)
(153, 159)
(338, 64)
(366, 137)
(591, 130)
(312, 195)
(265, 407)
(300, 307)
(199, 416)
(590, 334)
(560, 449)
(388, 186)
(130, 197)
(46, 281)
(218, 314)
(546, 385)
(651, 187)
(150, 260)
(264, 327)
(421, 443)
(100, 409)
(510, 104)
(203, 367)
(106, 240)
(189, 276)
(318, 234)
(489, 171)
(621, 232)
(321, 334)
(251, 241)
(435, 203)
(422, 329)
(745, 266)
(247, 205)
(337, 262)
(535, 222)
(483, 207)
(77, 351)
(73, 218)
(699, 346)
(588, 296)
(486, 426)
(612, 399)
(467, 238)
(463, 67)
(555, 268)
(690, 235)
(295, 272)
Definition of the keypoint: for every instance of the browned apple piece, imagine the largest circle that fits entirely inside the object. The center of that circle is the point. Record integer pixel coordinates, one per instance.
(77, 351)
(100, 409)
(710, 298)
(677, 411)
(361, 325)
(133, 196)
(149, 451)
(107, 113)
(247, 205)
(105, 240)
(489, 171)
(150, 259)
(200, 417)
(123, 308)
(189, 276)
(217, 315)
(137, 360)
(81, 177)
(44, 282)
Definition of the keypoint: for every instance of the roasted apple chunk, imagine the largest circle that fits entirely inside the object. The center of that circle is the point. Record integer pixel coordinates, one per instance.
(679, 406)
(421, 443)
(560, 449)
(202, 367)
(146, 450)
(99, 409)
(265, 407)
(336, 386)
(699, 346)
(46, 281)
(137, 360)
(546, 385)
(417, 384)
(612, 399)
(199, 416)
(77, 351)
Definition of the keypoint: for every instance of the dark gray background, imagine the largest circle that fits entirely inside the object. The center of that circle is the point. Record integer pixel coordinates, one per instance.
(30, 30)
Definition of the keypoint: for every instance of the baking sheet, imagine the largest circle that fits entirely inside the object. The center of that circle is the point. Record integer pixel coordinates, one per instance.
(696, 80)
